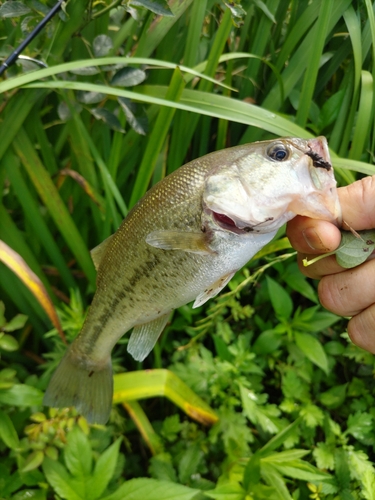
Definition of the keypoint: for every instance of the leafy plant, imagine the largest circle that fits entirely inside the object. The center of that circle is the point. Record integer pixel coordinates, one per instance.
(115, 96)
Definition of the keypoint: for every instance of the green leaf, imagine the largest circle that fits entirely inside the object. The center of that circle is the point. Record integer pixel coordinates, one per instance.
(8, 343)
(15, 323)
(299, 469)
(189, 462)
(280, 299)
(360, 425)
(229, 491)
(312, 349)
(13, 9)
(7, 431)
(108, 118)
(324, 456)
(104, 469)
(312, 415)
(342, 469)
(30, 494)
(59, 479)
(251, 474)
(355, 250)
(78, 454)
(137, 120)
(102, 45)
(262, 6)
(334, 397)
(33, 461)
(128, 77)
(280, 438)
(162, 469)
(159, 7)
(267, 342)
(140, 489)
(21, 395)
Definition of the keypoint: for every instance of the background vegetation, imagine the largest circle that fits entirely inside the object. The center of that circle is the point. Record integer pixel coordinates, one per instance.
(259, 394)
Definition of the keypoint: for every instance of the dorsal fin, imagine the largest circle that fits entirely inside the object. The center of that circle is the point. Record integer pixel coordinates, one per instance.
(98, 252)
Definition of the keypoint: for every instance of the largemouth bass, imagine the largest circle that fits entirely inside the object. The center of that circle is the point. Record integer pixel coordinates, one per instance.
(183, 242)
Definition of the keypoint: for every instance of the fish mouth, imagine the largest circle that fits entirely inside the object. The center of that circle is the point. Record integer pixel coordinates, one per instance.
(239, 227)
(319, 153)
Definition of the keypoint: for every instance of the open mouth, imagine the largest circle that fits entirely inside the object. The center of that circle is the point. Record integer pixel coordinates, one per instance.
(227, 223)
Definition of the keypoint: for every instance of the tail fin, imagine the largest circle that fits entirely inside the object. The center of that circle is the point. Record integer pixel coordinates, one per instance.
(75, 385)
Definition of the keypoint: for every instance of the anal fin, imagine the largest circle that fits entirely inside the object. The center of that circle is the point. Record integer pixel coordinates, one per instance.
(213, 290)
(180, 240)
(144, 337)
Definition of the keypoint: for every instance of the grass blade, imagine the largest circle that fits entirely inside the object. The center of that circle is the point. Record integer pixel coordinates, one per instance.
(316, 51)
(51, 198)
(157, 138)
(17, 264)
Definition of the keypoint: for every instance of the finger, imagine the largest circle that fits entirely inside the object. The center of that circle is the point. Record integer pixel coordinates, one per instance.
(361, 329)
(325, 266)
(313, 236)
(358, 210)
(349, 292)
(358, 203)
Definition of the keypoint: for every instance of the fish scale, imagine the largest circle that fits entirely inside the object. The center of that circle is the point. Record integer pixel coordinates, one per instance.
(182, 242)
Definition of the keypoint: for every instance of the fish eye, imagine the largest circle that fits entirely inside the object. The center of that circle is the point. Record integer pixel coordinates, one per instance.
(278, 152)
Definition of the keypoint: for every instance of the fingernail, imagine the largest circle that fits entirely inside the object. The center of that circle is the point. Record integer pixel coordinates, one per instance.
(312, 239)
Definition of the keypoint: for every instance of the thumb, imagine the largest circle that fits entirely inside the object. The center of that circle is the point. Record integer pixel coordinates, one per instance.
(358, 204)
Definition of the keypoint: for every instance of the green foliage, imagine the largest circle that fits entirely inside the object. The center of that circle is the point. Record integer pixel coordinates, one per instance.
(117, 95)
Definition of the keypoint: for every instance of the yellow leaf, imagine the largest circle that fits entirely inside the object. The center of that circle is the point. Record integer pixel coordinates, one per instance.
(17, 264)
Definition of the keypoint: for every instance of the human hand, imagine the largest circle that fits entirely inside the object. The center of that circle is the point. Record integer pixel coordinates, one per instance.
(347, 292)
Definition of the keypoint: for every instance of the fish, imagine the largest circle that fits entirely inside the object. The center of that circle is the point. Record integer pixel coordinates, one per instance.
(183, 242)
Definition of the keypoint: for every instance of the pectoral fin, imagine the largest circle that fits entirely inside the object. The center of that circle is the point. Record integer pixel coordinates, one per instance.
(180, 240)
(213, 290)
(98, 252)
(144, 337)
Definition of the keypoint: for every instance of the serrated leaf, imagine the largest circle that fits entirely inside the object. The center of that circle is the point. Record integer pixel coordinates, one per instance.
(108, 118)
(359, 425)
(7, 431)
(324, 456)
(13, 9)
(159, 7)
(21, 395)
(312, 349)
(102, 45)
(189, 462)
(104, 469)
(77, 453)
(128, 77)
(152, 489)
(59, 479)
(162, 469)
(228, 491)
(353, 250)
(312, 415)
